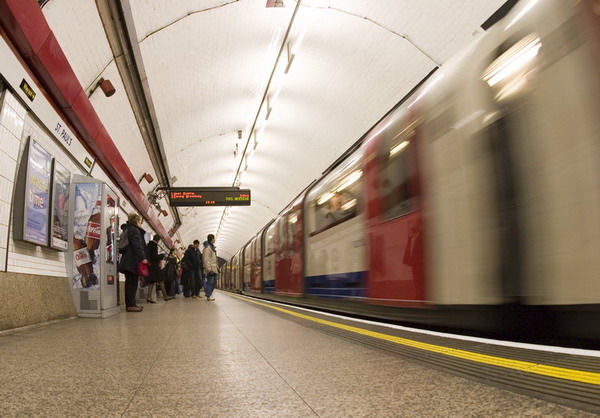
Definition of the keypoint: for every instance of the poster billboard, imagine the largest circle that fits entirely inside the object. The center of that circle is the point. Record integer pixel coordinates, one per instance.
(59, 228)
(37, 195)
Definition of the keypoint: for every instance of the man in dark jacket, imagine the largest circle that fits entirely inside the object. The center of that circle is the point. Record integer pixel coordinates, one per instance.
(191, 270)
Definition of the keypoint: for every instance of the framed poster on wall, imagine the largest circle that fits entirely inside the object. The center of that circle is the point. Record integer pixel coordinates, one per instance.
(32, 210)
(59, 227)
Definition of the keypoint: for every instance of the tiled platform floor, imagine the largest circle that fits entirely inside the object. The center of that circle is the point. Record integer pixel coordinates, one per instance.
(227, 358)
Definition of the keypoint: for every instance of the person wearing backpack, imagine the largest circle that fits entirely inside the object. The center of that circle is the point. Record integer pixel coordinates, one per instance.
(133, 251)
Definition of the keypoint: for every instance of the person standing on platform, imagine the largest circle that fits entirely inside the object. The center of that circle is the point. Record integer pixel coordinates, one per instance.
(156, 273)
(209, 257)
(171, 282)
(131, 255)
(197, 269)
(186, 274)
(190, 265)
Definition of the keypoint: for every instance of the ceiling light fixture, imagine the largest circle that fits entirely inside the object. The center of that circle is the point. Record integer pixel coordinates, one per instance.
(107, 88)
(290, 57)
(269, 108)
(275, 3)
(146, 176)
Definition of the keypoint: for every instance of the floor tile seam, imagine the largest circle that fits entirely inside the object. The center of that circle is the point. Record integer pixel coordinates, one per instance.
(156, 356)
(13, 331)
(31, 370)
(270, 364)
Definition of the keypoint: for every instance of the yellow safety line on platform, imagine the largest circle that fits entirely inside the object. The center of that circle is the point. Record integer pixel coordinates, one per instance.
(525, 366)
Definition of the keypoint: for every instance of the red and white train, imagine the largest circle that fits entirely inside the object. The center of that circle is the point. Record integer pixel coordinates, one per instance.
(474, 204)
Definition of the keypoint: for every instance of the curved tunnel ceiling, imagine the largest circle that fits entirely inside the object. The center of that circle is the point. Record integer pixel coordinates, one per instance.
(207, 66)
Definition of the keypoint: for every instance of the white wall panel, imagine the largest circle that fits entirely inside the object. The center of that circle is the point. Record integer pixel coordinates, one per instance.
(12, 115)
(24, 257)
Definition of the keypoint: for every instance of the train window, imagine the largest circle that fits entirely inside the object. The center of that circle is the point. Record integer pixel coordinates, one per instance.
(281, 236)
(291, 218)
(247, 257)
(339, 196)
(258, 249)
(270, 240)
(397, 188)
(514, 72)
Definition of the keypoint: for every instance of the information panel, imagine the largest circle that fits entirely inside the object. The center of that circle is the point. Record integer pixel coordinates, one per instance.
(197, 196)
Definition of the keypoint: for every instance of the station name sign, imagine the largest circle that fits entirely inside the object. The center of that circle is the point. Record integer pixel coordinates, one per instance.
(208, 196)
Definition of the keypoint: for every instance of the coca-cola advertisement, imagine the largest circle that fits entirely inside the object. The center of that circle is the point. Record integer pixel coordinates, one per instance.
(86, 236)
(59, 229)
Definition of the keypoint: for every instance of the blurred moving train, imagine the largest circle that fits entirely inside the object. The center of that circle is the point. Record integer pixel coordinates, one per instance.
(475, 203)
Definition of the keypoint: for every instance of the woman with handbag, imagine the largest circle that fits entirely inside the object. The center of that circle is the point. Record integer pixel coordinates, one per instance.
(133, 257)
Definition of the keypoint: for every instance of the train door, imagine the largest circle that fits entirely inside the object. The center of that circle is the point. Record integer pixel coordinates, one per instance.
(269, 259)
(335, 232)
(235, 272)
(246, 266)
(288, 250)
(282, 261)
(394, 216)
(256, 279)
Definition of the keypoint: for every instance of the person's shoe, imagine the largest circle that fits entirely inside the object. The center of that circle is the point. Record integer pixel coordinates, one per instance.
(135, 309)
(194, 297)
(150, 301)
(210, 298)
(169, 298)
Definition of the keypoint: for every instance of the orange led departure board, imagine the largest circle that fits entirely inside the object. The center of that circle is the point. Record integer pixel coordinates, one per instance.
(199, 196)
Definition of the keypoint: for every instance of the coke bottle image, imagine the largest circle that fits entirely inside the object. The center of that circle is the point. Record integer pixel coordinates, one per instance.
(84, 263)
(92, 231)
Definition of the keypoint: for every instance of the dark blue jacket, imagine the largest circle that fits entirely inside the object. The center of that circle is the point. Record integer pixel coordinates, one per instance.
(193, 258)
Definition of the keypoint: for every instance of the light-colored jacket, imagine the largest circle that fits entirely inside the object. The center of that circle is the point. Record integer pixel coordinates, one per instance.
(209, 259)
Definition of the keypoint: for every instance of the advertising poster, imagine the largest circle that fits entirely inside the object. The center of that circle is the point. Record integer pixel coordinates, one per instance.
(37, 195)
(61, 181)
(86, 235)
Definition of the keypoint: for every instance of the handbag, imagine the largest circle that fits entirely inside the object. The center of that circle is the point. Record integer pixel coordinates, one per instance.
(143, 269)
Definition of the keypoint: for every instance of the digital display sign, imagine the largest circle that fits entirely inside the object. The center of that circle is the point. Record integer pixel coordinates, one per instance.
(198, 196)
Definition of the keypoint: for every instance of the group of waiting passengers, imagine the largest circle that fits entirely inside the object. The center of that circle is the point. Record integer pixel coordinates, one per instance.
(197, 270)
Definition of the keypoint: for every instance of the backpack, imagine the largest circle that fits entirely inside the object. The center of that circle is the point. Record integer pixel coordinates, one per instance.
(123, 241)
(185, 266)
